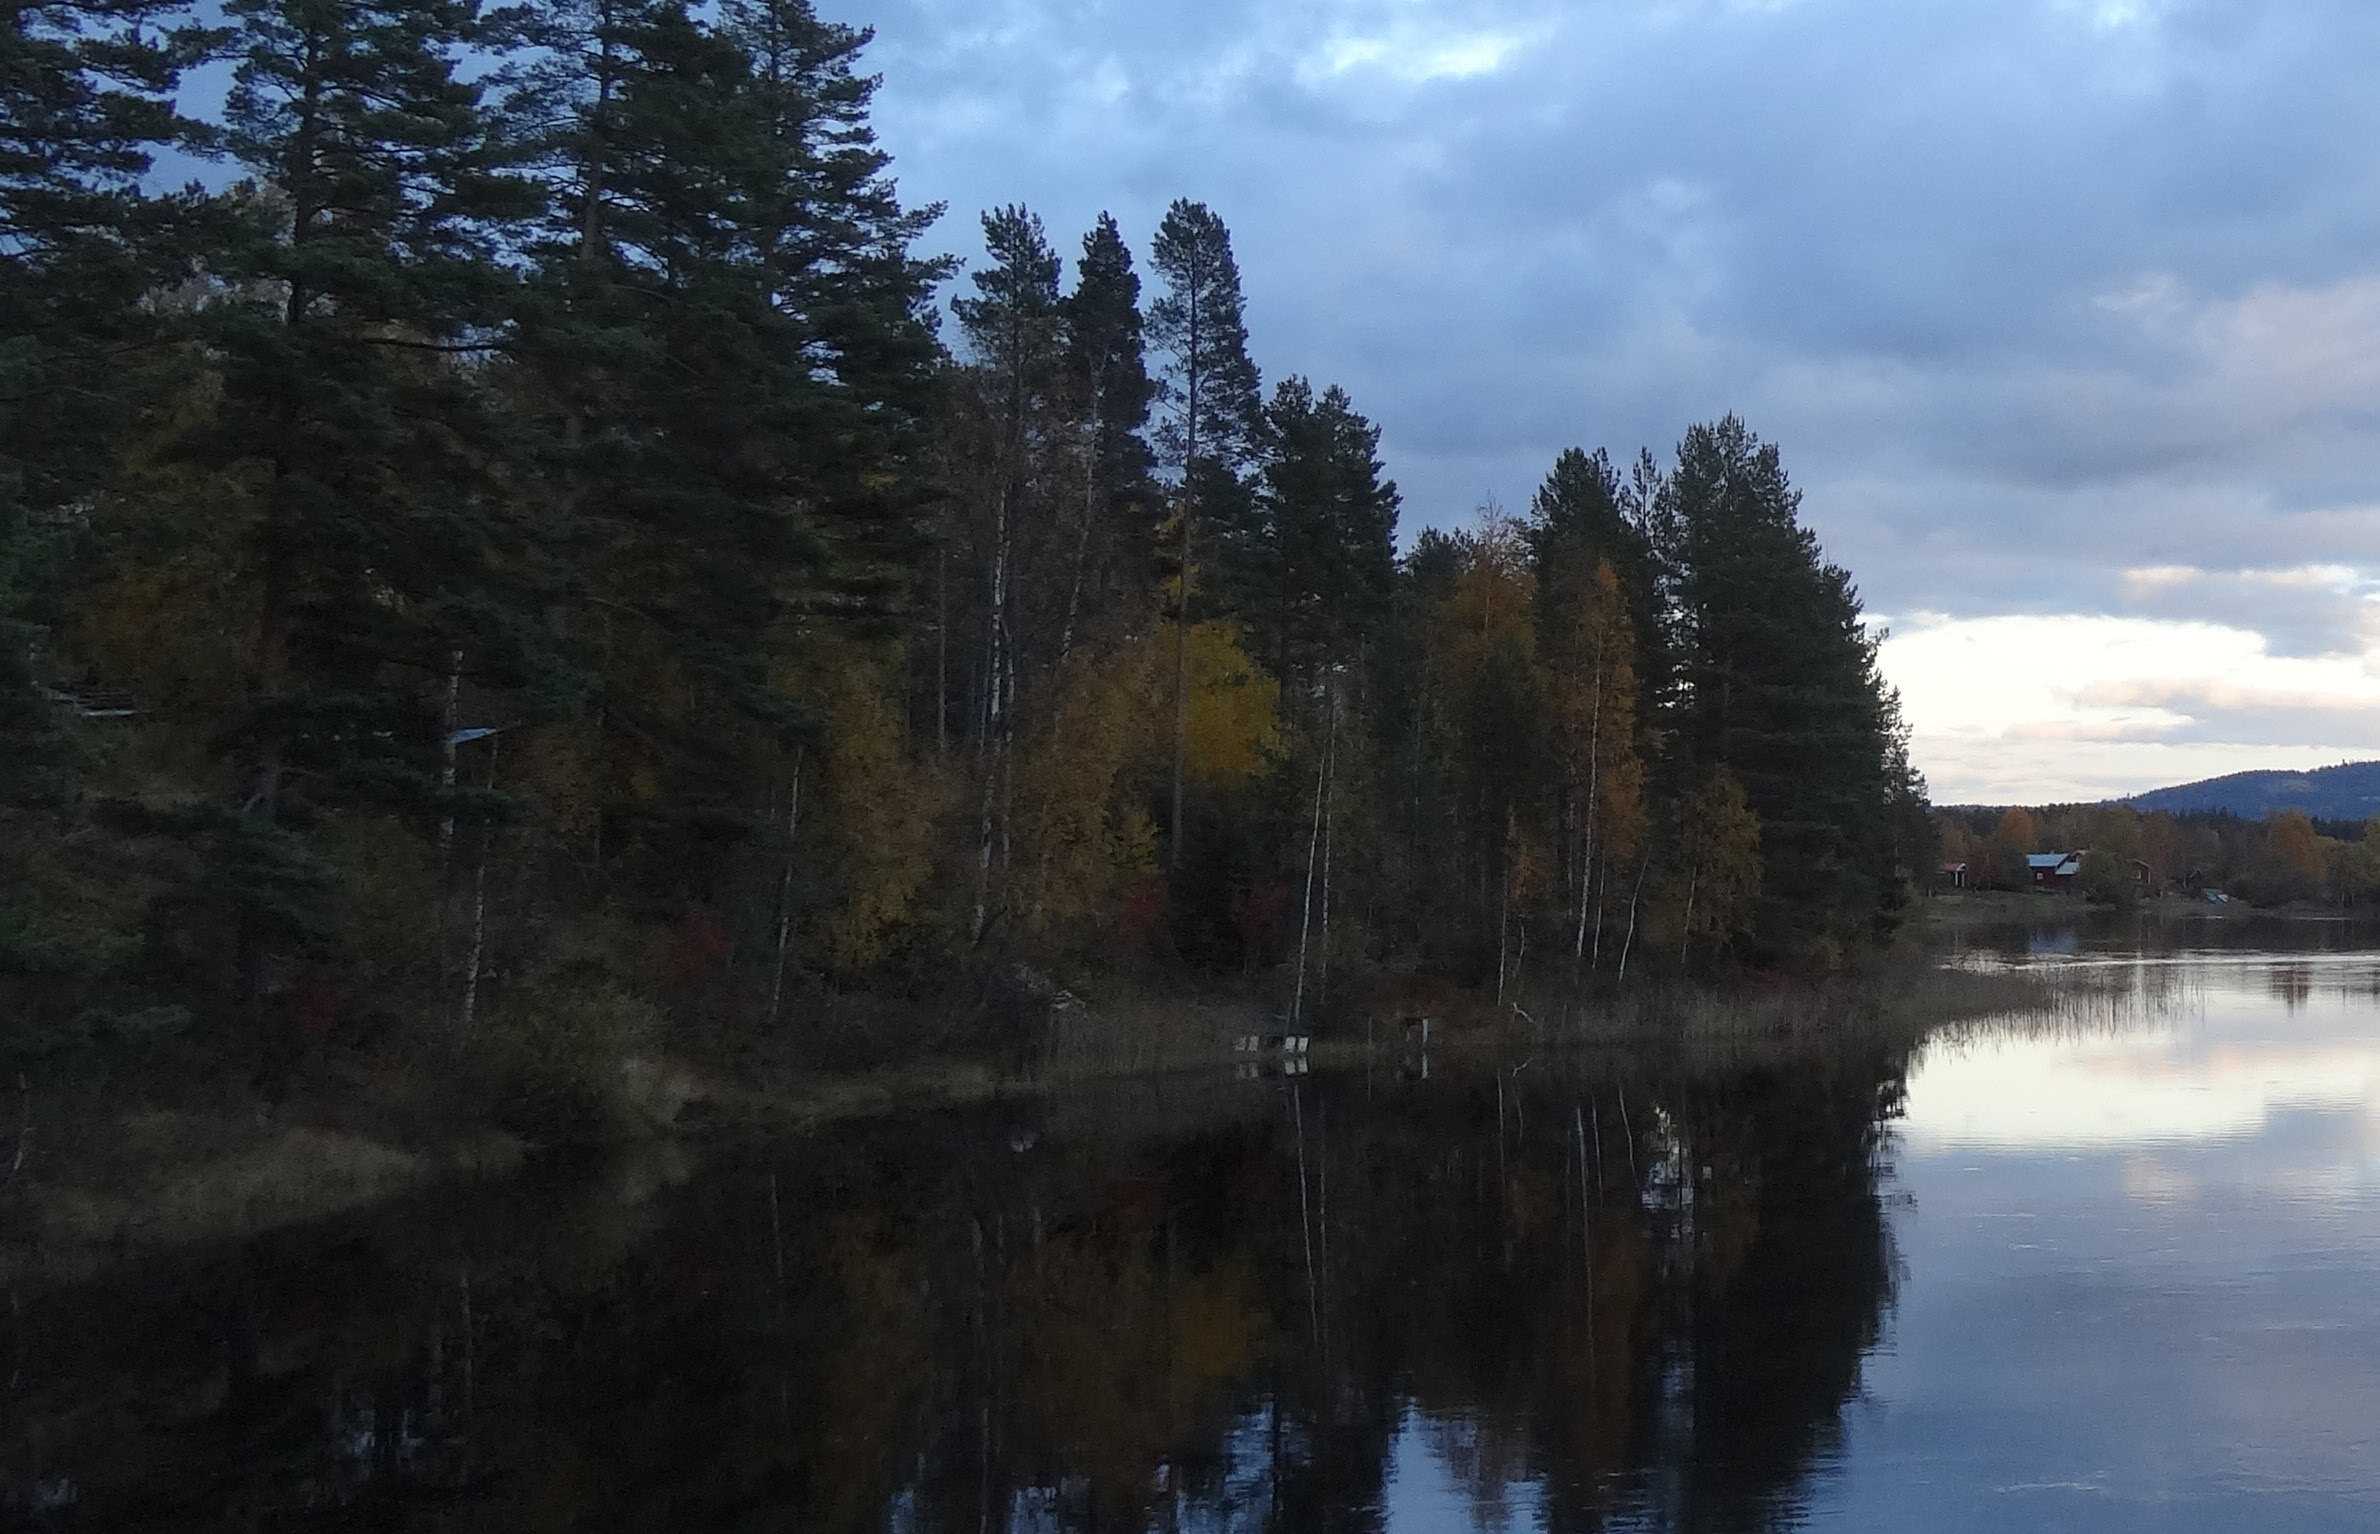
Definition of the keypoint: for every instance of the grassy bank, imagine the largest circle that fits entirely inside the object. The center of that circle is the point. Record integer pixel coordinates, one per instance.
(2000, 908)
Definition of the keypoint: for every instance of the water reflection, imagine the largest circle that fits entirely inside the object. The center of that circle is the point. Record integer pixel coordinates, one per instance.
(2143, 1236)
(2107, 1266)
(1539, 1299)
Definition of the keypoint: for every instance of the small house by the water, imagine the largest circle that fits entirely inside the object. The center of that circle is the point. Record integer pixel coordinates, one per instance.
(2055, 872)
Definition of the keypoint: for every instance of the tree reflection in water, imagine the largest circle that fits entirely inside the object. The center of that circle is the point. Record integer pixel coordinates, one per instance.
(1612, 1293)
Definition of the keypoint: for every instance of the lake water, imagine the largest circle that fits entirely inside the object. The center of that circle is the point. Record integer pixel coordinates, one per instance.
(2111, 1268)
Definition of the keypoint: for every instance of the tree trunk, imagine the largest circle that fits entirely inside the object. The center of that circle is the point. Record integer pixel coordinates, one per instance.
(1192, 381)
(479, 909)
(793, 810)
(992, 749)
(1586, 856)
(1330, 799)
(446, 765)
(1082, 547)
(1693, 876)
(1305, 924)
(941, 654)
(1181, 682)
(1633, 896)
(252, 944)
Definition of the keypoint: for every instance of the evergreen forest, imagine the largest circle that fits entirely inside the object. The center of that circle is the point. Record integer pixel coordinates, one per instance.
(530, 563)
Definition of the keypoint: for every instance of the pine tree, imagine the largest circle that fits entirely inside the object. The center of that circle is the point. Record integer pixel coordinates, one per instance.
(1114, 554)
(1014, 328)
(728, 362)
(1213, 425)
(359, 294)
(86, 97)
(1780, 688)
(1316, 571)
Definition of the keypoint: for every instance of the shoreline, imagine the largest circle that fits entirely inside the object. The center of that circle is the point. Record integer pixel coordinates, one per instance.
(2033, 908)
(176, 1180)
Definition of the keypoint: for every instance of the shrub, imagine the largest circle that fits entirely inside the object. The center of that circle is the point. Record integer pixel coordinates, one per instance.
(559, 1052)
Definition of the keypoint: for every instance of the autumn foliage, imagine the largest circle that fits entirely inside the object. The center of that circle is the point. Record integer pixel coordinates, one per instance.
(534, 549)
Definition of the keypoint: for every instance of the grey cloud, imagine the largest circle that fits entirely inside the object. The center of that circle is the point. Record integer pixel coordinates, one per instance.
(1898, 238)
(2298, 612)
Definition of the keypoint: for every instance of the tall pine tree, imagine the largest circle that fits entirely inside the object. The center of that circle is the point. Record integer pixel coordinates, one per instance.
(1779, 688)
(1014, 327)
(350, 432)
(728, 361)
(86, 98)
(1213, 425)
(1114, 555)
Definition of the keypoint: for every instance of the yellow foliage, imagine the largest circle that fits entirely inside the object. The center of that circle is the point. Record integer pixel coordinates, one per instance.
(1710, 894)
(883, 811)
(562, 764)
(1235, 727)
(1593, 695)
(1078, 831)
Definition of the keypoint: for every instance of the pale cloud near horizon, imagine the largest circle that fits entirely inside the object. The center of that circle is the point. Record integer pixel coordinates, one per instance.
(2063, 311)
(2081, 707)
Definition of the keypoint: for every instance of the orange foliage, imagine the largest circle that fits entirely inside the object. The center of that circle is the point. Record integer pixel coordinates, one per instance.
(1491, 601)
(2293, 836)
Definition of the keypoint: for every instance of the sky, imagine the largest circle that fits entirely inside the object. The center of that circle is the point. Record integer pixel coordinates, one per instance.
(2064, 313)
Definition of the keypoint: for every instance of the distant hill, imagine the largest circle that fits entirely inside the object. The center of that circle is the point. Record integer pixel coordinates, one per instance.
(2350, 791)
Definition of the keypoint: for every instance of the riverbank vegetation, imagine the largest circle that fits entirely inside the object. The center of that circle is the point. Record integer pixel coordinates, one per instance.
(535, 571)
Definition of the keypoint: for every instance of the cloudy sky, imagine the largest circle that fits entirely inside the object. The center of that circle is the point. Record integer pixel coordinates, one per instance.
(2066, 313)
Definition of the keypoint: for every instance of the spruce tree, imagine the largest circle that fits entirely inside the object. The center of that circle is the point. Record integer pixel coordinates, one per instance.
(1212, 427)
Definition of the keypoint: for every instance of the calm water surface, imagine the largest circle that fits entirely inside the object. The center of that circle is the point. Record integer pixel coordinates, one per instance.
(2107, 1269)
(2140, 1260)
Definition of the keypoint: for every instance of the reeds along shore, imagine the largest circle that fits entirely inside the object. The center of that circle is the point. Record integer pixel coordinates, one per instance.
(106, 1184)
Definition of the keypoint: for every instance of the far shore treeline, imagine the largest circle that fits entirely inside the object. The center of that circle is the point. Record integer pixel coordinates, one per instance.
(2285, 858)
(534, 557)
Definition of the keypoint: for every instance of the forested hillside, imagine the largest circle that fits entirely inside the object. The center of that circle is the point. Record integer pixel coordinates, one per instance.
(541, 556)
(2349, 791)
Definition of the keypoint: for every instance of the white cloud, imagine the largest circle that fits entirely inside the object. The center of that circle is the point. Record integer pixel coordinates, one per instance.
(2049, 707)
(1413, 55)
